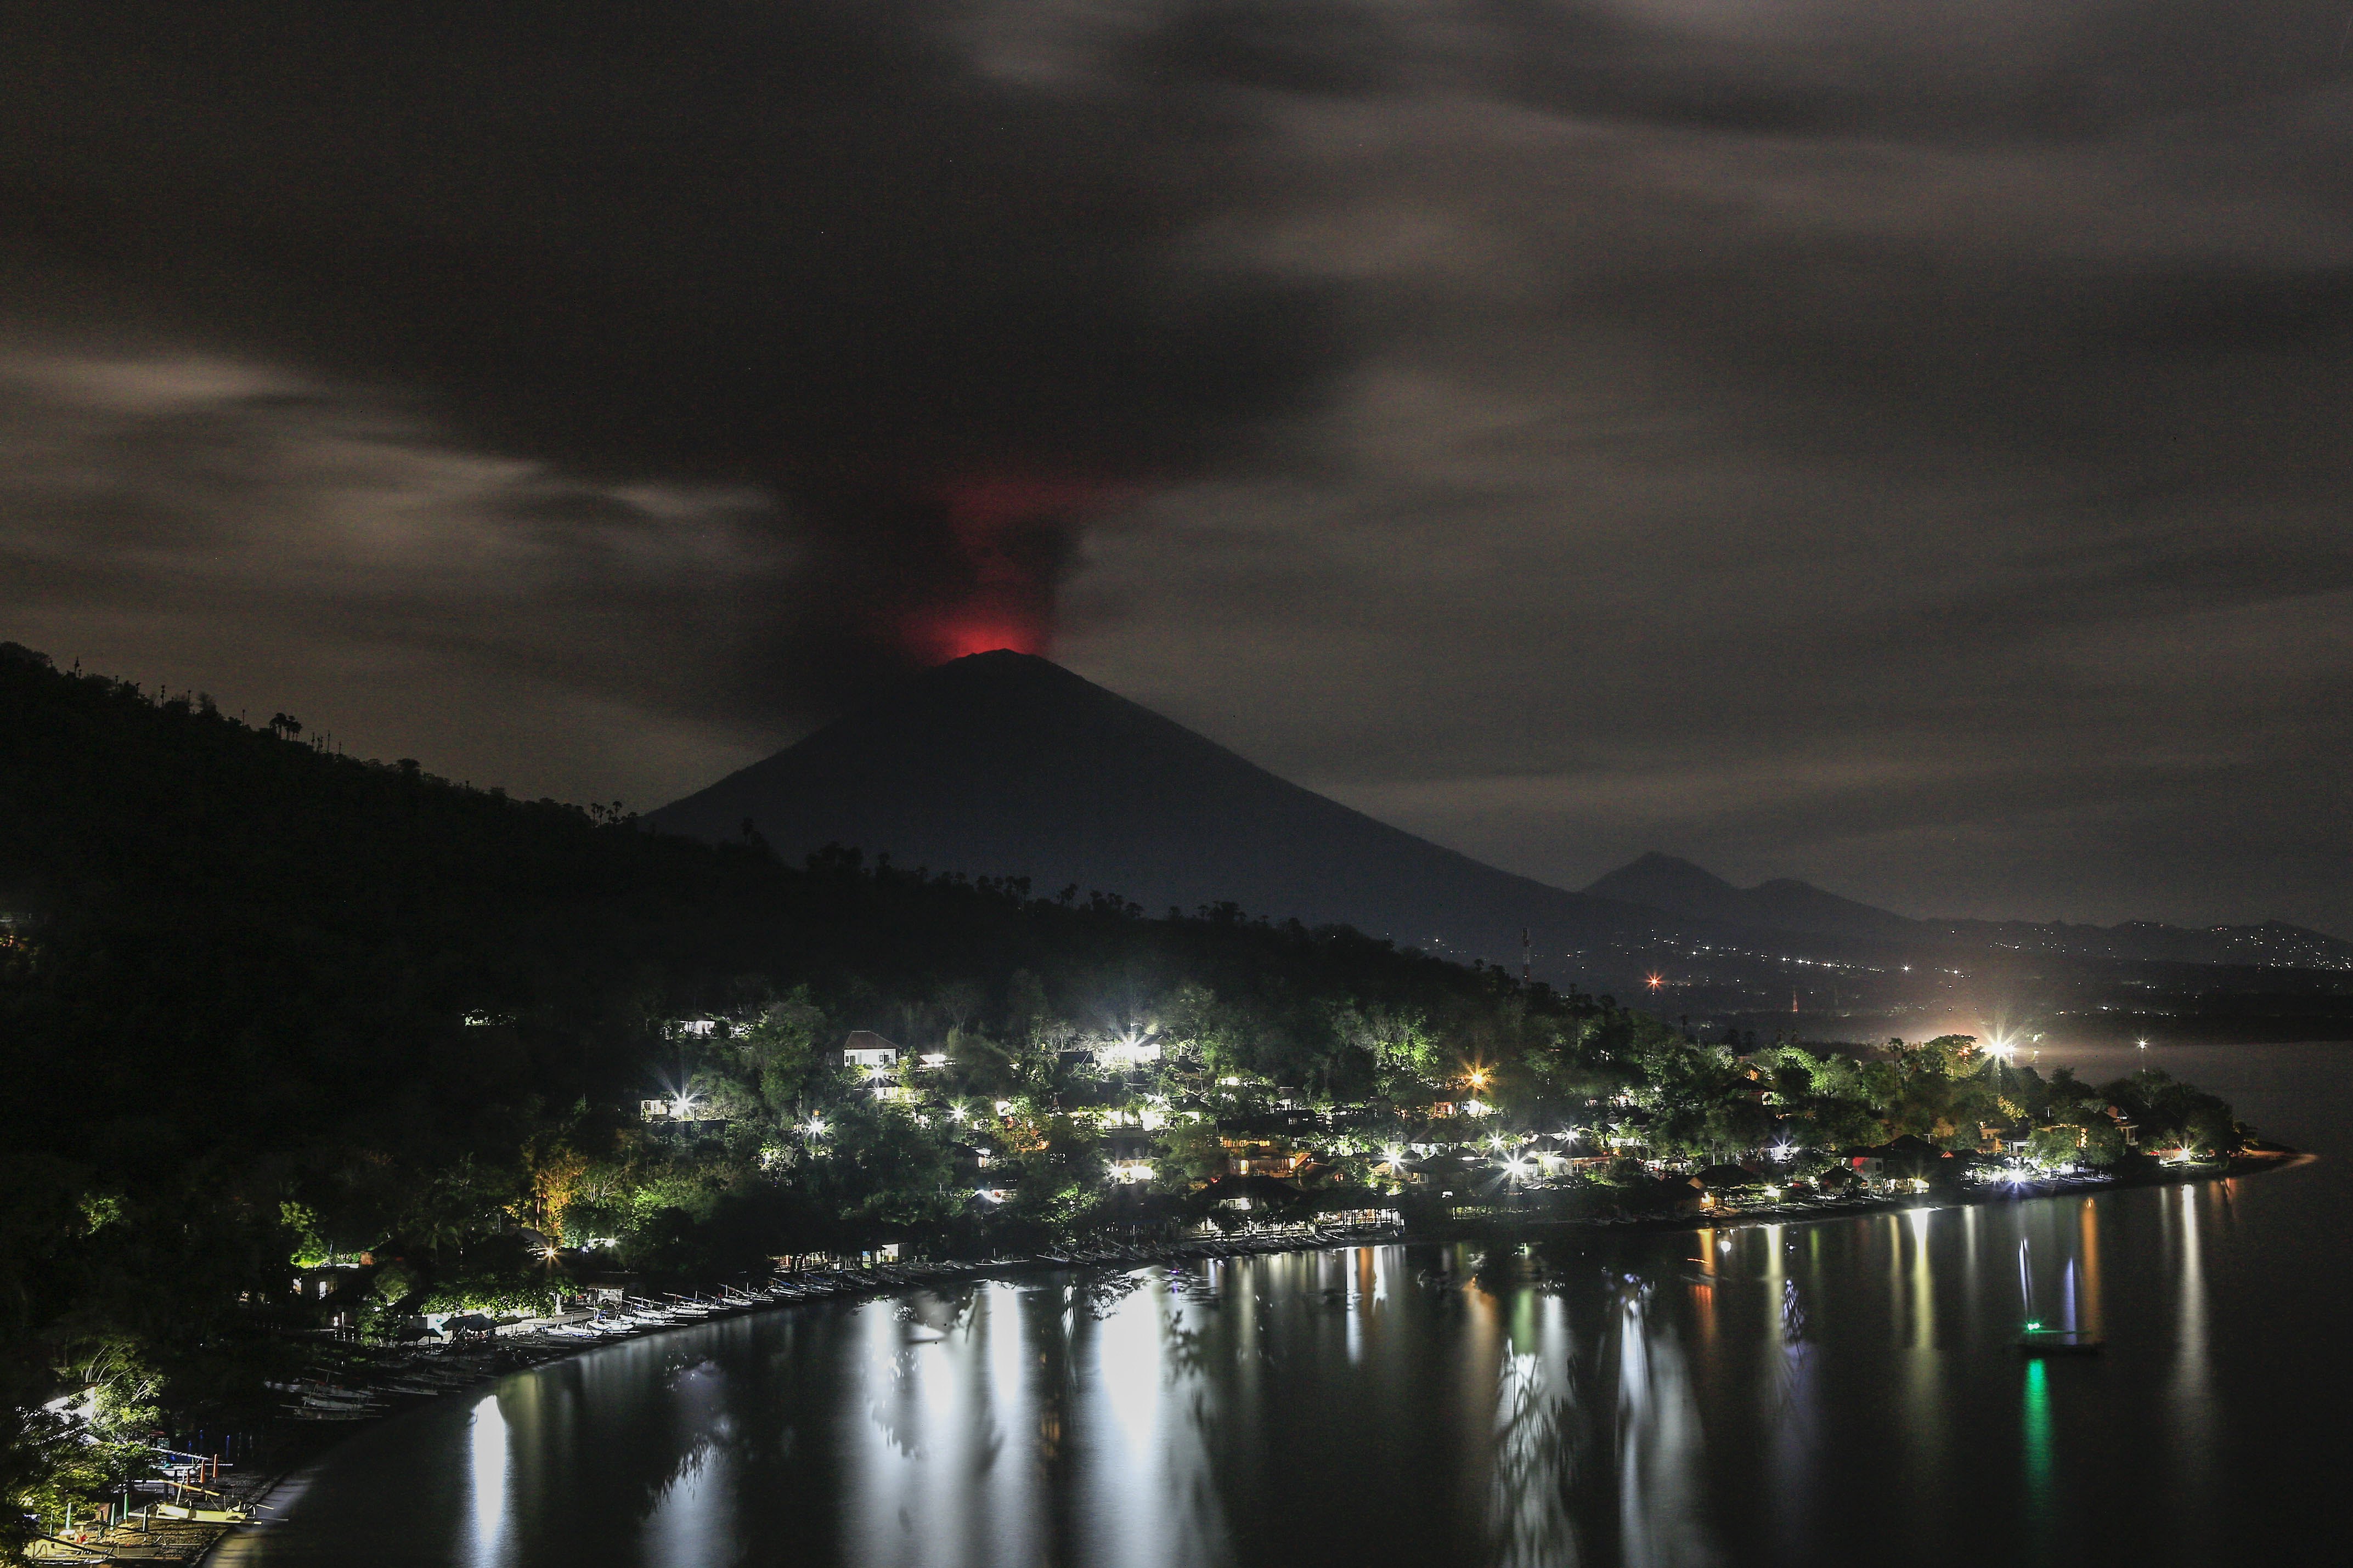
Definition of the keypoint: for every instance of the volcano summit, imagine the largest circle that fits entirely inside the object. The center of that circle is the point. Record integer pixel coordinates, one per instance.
(1007, 764)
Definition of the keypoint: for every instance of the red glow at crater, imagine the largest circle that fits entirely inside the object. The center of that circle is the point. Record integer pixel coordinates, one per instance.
(958, 639)
(1011, 539)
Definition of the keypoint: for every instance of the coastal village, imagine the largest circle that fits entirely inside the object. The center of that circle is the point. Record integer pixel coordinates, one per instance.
(1192, 1165)
(1158, 1145)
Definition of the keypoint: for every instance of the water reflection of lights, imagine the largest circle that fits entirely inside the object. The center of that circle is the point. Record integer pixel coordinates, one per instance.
(2192, 1398)
(688, 1526)
(1924, 1367)
(1527, 1518)
(490, 1482)
(1841, 1366)
(1923, 1284)
(1128, 1368)
(2036, 1439)
(1660, 1445)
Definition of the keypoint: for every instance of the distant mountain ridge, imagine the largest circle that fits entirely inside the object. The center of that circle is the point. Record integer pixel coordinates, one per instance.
(1007, 764)
(1677, 887)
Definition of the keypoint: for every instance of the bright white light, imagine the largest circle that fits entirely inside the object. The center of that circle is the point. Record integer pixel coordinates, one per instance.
(957, 1113)
(1785, 1150)
(814, 1127)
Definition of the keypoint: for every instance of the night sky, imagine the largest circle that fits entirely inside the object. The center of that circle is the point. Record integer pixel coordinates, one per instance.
(1899, 443)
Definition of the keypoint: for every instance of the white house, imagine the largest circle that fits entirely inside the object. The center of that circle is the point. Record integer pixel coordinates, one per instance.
(868, 1050)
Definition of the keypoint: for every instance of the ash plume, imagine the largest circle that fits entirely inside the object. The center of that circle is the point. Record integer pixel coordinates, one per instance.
(939, 316)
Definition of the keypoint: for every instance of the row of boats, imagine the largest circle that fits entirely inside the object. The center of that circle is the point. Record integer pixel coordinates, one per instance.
(637, 1315)
(360, 1384)
(328, 1396)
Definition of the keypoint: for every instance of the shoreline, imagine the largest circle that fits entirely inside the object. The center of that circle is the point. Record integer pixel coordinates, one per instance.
(538, 1351)
(2267, 1160)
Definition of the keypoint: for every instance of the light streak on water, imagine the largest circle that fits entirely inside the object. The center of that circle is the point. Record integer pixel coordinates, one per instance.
(1660, 1443)
(492, 1463)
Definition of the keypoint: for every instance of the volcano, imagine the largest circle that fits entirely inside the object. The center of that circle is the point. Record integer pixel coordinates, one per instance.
(1003, 763)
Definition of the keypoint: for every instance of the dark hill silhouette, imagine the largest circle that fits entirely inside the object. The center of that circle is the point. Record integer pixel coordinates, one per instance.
(1679, 888)
(1007, 764)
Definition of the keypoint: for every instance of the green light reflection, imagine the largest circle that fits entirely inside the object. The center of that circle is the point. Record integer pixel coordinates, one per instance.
(2038, 1456)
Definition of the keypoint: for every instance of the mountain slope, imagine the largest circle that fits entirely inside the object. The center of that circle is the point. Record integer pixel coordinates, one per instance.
(1006, 764)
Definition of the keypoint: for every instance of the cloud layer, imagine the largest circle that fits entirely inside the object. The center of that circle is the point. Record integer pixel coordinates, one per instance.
(1896, 443)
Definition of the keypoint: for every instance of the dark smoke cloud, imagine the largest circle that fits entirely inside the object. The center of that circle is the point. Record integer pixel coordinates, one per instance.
(804, 248)
(1898, 443)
